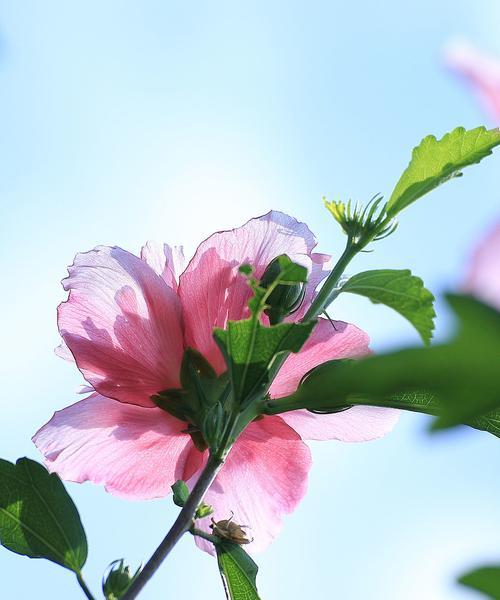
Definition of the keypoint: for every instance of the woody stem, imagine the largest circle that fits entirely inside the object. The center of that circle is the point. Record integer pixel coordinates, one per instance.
(181, 525)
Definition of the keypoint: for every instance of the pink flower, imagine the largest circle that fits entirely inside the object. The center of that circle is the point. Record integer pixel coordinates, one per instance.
(480, 71)
(127, 321)
(483, 277)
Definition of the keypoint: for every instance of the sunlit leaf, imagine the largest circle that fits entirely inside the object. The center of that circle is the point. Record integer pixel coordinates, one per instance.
(435, 161)
(401, 291)
(238, 572)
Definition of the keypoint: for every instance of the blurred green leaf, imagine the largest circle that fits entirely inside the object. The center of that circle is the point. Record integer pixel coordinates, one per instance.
(458, 381)
(401, 291)
(38, 517)
(238, 572)
(485, 580)
(435, 161)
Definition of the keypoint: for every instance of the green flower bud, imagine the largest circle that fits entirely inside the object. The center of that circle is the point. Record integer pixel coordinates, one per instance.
(203, 511)
(285, 298)
(117, 580)
(180, 493)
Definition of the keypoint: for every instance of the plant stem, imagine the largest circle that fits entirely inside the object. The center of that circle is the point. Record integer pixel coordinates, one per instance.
(204, 535)
(181, 525)
(323, 297)
(84, 587)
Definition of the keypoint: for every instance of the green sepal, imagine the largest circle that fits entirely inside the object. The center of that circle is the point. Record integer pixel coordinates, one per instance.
(203, 401)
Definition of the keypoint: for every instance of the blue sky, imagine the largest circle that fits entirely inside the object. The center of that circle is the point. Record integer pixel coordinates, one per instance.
(127, 121)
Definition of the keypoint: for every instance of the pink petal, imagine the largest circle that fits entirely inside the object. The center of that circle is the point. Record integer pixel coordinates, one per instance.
(167, 262)
(480, 71)
(320, 269)
(135, 452)
(483, 279)
(62, 351)
(328, 341)
(265, 477)
(123, 325)
(357, 424)
(211, 289)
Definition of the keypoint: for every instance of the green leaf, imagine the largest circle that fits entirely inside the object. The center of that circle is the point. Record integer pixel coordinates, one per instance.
(238, 572)
(485, 580)
(458, 381)
(250, 348)
(401, 291)
(38, 517)
(435, 161)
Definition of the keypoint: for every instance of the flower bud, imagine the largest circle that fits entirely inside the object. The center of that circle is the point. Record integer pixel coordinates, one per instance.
(203, 510)
(180, 493)
(117, 580)
(285, 298)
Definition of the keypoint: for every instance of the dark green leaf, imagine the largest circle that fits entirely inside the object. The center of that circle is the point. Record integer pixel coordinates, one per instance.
(238, 572)
(460, 379)
(435, 161)
(37, 516)
(399, 290)
(485, 580)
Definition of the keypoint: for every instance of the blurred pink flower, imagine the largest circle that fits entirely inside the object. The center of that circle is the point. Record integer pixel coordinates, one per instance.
(127, 321)
(483, 277)
(481, 71)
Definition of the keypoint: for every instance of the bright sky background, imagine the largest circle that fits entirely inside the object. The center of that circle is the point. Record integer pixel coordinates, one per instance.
(126, 121)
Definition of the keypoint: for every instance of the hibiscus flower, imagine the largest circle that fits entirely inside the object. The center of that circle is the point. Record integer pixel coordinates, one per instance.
(483, 277)
(481, 71)
(126, 324)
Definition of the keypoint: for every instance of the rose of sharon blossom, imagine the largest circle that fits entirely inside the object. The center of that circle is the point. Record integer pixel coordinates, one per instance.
(127, 322)
(483, 277)
(480, 71)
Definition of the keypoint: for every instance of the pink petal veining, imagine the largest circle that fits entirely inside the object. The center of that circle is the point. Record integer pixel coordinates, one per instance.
(264, 478)
(122, 324)
(136, 452)
(211, 289)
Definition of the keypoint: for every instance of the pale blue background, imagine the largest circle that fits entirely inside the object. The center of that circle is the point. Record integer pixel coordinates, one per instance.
(123, 121)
